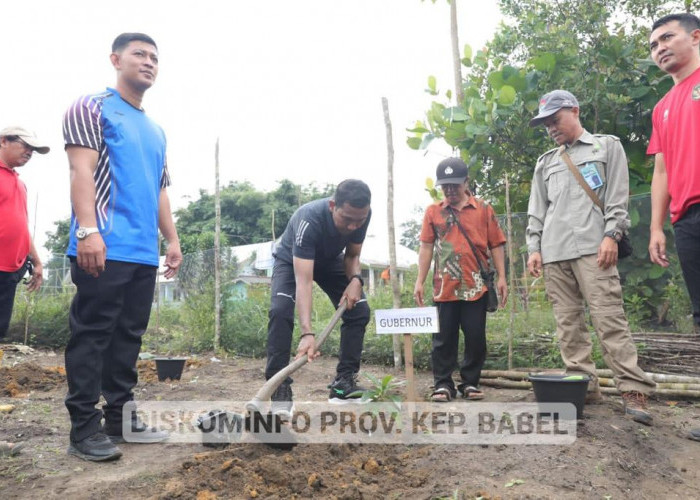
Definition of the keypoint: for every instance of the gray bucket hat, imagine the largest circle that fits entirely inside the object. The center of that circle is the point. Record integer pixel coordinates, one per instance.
(553, 102)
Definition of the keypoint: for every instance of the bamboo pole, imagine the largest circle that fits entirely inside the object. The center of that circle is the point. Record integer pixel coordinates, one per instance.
(157, 336)
(511, 272)
(509, 374)
(658, 377)
(456, 56)
(603, 374)
(669, 392)
(217, 251)
(30, 300)
(506, 384)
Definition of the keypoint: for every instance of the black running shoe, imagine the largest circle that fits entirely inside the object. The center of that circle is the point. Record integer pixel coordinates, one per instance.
(95, 448)
(344, 389)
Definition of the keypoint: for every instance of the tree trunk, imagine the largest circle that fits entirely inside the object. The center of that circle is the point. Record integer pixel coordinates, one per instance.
(217, 251)
(456, 59)
(393, 277)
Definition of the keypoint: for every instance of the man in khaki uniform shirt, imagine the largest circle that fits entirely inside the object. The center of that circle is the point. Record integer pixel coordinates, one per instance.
(576, 243)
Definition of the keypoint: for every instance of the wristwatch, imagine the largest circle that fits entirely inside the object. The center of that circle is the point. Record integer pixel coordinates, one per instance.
(359, 278)
(614, 234)
(83, 232)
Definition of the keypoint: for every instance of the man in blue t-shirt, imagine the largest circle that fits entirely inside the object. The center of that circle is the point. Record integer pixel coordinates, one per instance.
(322, 243)
(119, 177)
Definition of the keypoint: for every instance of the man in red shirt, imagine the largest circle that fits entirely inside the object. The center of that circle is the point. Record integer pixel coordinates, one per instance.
(459, 290)
(674, 44)
(16, 148)
(16, 246)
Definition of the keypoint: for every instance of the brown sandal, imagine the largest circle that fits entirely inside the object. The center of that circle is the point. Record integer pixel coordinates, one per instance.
(472, 393)
(441, 395)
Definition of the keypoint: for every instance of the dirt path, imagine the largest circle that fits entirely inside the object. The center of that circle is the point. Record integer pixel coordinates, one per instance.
(611, 458)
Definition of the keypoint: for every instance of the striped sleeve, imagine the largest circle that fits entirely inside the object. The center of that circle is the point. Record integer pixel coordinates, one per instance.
(305, 239)
(165, 177)
(82, 123)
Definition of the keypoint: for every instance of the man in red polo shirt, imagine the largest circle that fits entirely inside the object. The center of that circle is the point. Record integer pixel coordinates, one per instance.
(674, 45)
(459, 290)
(16, 148)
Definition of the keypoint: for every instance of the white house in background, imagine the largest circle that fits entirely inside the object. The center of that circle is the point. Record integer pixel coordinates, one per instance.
(256, 263)
(375, 259)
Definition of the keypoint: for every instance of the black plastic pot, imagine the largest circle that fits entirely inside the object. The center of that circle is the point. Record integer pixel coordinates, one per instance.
(169, 368)
(556, 388)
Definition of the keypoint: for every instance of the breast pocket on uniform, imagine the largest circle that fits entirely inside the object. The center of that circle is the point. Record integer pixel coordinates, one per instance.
(556, 178)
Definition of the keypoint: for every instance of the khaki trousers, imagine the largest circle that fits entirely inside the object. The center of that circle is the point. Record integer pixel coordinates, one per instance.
(568, 283)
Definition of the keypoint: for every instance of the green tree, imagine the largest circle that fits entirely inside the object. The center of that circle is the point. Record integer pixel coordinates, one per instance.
(57, 240)
(596, 49)
(246, 214)
(573, 44)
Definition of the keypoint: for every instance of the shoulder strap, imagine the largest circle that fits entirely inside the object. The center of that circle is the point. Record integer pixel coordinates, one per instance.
(580, 179)
(462, 230)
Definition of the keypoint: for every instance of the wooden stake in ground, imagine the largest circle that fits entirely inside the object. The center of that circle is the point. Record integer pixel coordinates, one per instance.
(456, 56)
(30, 300)
(511, 271)
(400, 321)
(217, 251)
(393, 278)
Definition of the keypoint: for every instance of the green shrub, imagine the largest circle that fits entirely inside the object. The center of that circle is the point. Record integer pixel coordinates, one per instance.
(48, 318)
(244, 323)
(680, 308)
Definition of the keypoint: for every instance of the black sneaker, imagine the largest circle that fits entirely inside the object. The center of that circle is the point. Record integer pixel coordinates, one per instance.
(344, 389)
(283, 401)
(95, 448)
(139, 433)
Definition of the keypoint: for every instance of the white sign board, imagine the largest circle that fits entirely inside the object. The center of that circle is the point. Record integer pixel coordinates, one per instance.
(408, 320)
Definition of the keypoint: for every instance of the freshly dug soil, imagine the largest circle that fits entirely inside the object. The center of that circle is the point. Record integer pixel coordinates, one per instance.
(19, 380)
(612, 457)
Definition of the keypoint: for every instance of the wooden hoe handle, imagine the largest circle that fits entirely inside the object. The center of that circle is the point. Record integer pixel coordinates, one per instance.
(263, 396)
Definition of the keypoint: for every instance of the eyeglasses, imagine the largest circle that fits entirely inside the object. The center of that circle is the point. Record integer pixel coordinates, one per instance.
(23, 143)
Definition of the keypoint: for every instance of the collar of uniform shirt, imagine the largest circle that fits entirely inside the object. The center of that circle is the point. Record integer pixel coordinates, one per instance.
(585, 137)
(471, 201)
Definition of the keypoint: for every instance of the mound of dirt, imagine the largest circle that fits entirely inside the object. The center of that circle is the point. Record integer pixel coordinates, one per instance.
(147, 371)
(346, 471)
(17, 381)
(149, 375)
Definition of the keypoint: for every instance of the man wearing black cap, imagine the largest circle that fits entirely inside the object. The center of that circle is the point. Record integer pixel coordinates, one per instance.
(458, 285)
(577, 245)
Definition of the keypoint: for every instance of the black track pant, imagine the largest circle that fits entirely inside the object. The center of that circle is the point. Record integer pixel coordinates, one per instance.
(471, 317)
(108, 316)
(332, 280)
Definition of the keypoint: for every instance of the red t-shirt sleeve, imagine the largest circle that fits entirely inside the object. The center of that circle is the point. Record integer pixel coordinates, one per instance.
(654, 142)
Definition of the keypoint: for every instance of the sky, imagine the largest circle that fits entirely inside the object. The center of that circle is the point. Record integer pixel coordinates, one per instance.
(292, 89)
